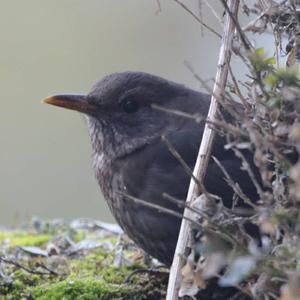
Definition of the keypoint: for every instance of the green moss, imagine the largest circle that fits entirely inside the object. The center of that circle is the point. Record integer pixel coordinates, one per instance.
(100, 264)
(107, 284)
(85, 289)
(12, 292)
(89, 278)
(111, 239)
(22, 238)
(78, 236)
(83, 276)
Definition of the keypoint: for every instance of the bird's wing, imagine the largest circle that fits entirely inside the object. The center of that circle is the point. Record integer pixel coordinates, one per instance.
(155, 170)
(152, 171)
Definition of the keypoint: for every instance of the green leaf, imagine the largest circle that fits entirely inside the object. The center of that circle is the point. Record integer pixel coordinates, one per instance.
(271, 79)
(260, 52)
(271, 60)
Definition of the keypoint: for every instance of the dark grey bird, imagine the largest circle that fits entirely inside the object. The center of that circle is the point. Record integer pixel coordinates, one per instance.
(129, 156)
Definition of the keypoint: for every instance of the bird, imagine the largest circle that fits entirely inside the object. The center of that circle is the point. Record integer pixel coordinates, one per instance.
(127, 115)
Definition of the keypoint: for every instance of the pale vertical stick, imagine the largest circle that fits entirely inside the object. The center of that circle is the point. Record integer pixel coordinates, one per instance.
(204, 151)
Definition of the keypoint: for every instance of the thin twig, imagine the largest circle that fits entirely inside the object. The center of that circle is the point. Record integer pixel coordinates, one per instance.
(179, 158)
(233, 17)
(183, 204)
(214, 12)
(237, 89)
(227, 127)
(240, 155)
(158, 7)
(159, 208)
(200, 15)
(197, 18)
(234, 185)
(205, 149)
(218, 98)
(211, 228)
(28, 270)
(51, 272)
(144, 271)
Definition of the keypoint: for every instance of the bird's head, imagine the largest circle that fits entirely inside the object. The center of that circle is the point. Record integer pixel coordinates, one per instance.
(121, 114)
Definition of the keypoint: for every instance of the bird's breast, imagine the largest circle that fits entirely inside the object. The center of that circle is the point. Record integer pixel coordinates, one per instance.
(109, 182)
(102, 168)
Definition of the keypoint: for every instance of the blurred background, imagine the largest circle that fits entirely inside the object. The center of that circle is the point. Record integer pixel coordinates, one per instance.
(59, 46)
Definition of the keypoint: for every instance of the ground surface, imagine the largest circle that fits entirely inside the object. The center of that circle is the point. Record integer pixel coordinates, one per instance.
(84, 259)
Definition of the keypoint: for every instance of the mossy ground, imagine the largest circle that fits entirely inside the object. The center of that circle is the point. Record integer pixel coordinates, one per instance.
(22, 238)
(90, 274)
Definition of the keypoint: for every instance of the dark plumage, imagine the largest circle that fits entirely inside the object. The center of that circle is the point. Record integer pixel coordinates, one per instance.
(129, 155)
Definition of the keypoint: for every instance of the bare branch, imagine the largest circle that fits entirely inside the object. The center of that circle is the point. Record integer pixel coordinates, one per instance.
(237, 89)
(159, 208)
(28, 270)
(158, 7)
(233, 17)
(216, 15)
(234, 185)
(198, 118)
(197, 18)
(205, 148)
(187, 169)
(239, 154)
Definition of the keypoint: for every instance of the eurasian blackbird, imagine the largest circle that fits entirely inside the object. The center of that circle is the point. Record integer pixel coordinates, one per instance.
(130, 157)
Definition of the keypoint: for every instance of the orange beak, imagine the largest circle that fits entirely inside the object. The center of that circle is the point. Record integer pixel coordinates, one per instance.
(76, 102)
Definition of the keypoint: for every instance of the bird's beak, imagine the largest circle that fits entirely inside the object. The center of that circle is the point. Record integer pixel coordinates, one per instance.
(72, 101)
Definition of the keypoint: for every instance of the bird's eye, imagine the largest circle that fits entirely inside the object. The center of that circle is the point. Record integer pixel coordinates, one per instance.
(130, 106)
